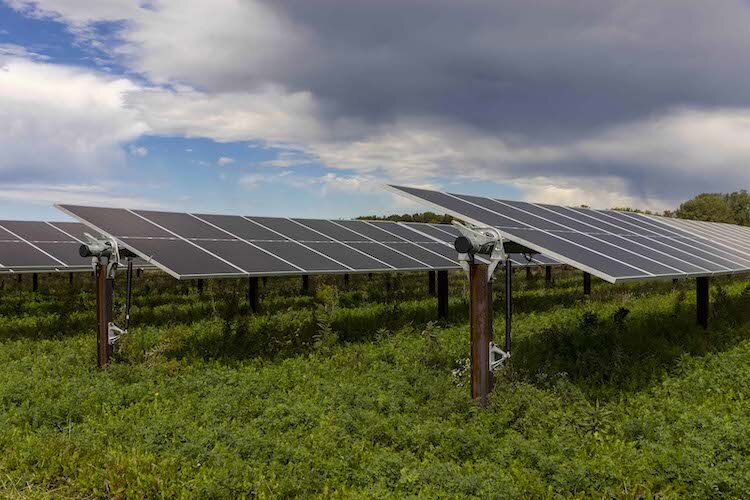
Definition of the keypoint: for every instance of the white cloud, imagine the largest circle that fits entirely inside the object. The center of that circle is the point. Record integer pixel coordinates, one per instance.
(223, 161)
(101, 194)
(268, 114)
(140, 151)
(62, 120)
(18, 51)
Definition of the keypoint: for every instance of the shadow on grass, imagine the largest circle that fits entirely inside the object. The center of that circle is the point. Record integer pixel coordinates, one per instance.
(608, 350)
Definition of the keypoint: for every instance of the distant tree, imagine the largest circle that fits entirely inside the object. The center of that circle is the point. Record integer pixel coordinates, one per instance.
(739, 204)
(634, 210)
(713, 207)
(429, 217)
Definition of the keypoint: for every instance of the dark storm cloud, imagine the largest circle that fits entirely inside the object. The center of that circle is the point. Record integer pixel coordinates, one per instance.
(550, 69)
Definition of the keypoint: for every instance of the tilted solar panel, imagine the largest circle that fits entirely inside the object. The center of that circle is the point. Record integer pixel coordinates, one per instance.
(615, 246)
(36, 246)
(189, 245)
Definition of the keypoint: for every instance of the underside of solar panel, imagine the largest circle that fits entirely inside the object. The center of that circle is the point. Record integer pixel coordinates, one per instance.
(192, 245)
(615, 246)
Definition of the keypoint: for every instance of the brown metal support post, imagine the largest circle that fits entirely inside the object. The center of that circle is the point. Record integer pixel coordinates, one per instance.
(104, 295)
(548, 276)
(35, 282)
(480, 319)
(508, 304)
(442, 294)
(586, 284)
(305, 284)
(252, 293)
(431, 283)
(702, 301)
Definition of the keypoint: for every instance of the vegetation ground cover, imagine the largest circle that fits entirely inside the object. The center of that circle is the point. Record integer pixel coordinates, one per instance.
(358, 393)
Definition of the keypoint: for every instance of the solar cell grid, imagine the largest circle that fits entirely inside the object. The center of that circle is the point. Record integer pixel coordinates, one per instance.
(205, 245)
(616, 246)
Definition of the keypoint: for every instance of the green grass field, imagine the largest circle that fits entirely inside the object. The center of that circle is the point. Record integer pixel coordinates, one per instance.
(358, 393)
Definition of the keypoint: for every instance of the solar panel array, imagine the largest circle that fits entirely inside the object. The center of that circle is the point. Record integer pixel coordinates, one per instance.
(189, 245)
(34, 246)
(615, 246)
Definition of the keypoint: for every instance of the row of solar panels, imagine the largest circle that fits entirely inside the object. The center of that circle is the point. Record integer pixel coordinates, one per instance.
(615, 246)
(205, 245)
(32, 246)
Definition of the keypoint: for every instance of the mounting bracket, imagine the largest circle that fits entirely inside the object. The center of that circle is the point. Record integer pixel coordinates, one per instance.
(486, 241)
(114, 333)
(497, 357)
(102, 251)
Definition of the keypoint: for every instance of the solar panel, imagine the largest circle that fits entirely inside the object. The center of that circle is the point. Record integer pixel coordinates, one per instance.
(189, 245)
(615, 246)
(35, 247)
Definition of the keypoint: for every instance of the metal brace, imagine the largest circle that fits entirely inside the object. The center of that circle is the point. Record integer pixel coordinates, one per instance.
(486, 241)
(114, 333)
(497, 357)
(100, 249)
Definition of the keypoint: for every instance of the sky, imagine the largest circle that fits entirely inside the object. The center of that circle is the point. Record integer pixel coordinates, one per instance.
(307, 108)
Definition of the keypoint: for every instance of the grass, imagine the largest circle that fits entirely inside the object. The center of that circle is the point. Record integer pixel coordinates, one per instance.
(356, 393)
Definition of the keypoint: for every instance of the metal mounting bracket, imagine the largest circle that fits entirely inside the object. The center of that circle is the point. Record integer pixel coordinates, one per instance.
(485, 241)
(497, 357)
(104, 251)
(114, 333)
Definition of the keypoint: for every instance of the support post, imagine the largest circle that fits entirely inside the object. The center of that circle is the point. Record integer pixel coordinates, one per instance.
(675, 282)
(346, 280)
(104, 295)
(252, 293)
(70, 279)
(199, 286)
(508, 304)
(20, 278)
(528, 273)
(431, 283)
(548, 276)
(442, 294)
(586, 284)
(702, 300)
(128, 292)
(265, 281)
(305, 284)
(35, 282)
(139, 272)
(480, 319)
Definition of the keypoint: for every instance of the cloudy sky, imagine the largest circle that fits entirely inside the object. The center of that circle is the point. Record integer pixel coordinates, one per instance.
(305, 107)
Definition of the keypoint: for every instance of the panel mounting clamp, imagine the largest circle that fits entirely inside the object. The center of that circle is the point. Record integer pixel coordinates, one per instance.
(486, 241)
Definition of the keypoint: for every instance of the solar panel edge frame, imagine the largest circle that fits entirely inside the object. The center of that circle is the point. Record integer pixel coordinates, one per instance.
(563, 260)
(143, 256)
